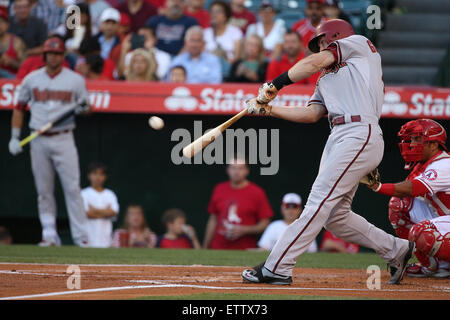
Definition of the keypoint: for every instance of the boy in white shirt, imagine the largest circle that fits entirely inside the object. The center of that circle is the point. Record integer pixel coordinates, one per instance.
(291, 208)
(101, 207)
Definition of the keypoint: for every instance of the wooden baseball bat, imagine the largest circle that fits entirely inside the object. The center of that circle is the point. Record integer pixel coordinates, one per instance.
(191, 149)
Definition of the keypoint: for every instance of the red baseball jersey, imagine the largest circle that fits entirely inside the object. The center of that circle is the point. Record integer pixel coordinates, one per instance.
(277, 67)
(306, 30)
(245, 206)
(327, 235)
(182, 242)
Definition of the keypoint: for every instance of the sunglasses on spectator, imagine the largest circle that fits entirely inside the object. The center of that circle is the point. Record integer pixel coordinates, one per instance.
(291, 205)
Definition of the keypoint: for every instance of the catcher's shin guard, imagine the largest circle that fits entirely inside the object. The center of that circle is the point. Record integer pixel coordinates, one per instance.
(430, 242)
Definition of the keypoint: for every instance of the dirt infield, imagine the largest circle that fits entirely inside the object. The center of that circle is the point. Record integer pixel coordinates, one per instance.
(49, 281)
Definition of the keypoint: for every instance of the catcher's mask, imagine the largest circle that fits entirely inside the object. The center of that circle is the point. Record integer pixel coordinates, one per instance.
(415, 134)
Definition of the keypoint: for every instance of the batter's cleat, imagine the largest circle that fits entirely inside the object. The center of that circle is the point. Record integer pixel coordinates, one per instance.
(416, 270)
(50, 243)
(261, 274)
(397, 271)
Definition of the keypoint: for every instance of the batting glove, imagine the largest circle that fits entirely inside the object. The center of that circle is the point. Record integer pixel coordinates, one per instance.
(267, 92)
(254, 107)
(14, 144)
(82, 108)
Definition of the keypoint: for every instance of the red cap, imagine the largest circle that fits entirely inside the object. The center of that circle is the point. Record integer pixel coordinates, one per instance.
(3, 13)
(124, 19)
(54, 45)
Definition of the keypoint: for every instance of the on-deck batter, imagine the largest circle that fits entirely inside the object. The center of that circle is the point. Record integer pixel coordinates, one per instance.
(52, 91)
(350, 90)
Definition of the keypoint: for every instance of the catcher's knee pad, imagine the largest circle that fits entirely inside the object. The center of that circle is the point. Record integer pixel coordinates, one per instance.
(399, 215)
(429, 240)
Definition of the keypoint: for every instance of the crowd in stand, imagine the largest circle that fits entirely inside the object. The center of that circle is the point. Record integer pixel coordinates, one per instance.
(160, 40)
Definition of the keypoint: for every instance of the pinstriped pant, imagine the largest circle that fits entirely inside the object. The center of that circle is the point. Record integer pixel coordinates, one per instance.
(58, 152)
(352, 151)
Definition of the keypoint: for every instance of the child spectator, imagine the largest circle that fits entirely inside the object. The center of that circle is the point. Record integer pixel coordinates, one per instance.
(331, 243)
(177, 74)
(253, 65)
(135, 231)
(91, 46)
(101, 207)
(194, 9)
(178, 234)
(291, 209)
(142, 66)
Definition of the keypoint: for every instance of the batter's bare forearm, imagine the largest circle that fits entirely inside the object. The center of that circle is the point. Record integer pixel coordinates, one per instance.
(17, 119)
(310, 65)
(300, 114)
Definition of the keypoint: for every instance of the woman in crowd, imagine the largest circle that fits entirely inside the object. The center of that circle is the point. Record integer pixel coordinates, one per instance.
(253, 64)
(222, 38)
(270, 29)
(135, 231)
(142, 66)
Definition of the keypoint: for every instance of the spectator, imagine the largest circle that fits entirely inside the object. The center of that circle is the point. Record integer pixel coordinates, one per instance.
(178, 234)
(74, 36)
(124, 25)
(12, 49)
(96, 8)
(5, 236)
(90, 46)
(292, 52)
(306, 27)
(48, 11)
(92, 69)
(139, 12)
(253, 65)
(160, 5)
(35, 62)
(194, 9)
(177, 74)
(239, 211)
(331, 243)
(101, 207)
(108, 37)
(200, 66)
(135, 231)
(222, 38)
(269, 29)
(240, 16)
(333, 10)
(142, 66)
(32, 30)
(145, 38)
(171, 27)
(291, 209)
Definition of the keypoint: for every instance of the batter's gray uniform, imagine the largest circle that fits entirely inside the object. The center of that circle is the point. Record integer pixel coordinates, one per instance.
(50, 97)
(353, 93)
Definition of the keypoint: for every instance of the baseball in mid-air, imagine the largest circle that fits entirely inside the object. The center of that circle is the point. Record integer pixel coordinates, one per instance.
(156, 123)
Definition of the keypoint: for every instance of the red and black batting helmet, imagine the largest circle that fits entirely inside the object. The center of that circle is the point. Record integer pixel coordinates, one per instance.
(429, 130)
(332, 30)
(54, 45)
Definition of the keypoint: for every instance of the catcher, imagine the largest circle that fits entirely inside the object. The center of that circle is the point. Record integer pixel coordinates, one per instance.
(419, 209)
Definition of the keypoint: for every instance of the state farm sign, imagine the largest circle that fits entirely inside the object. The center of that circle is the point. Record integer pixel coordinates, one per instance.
(229, 98)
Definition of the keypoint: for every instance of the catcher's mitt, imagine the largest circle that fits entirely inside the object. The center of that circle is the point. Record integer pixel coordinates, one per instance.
(371, 178)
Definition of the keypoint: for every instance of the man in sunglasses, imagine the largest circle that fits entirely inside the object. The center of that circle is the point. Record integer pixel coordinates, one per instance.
(291, 209)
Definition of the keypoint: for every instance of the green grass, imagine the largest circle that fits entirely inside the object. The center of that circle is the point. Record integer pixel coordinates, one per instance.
(77, 255)
(241, 297)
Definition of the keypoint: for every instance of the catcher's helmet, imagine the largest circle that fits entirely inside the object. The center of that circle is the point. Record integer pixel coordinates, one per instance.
(54, 45)
(332, 30)
(428, 129)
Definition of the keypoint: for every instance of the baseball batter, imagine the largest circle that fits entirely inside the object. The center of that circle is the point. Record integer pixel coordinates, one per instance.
(419, 209)
(350, 90)
(50, 92)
